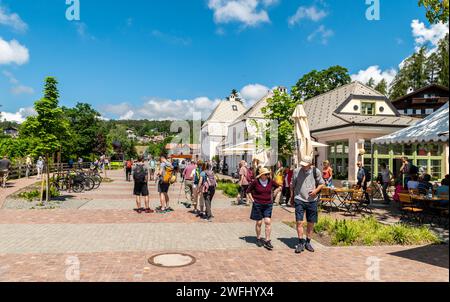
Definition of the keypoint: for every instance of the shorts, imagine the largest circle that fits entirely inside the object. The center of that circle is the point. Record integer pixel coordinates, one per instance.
(261, 211)
(163, 187)
(141, 189)
(310, 208)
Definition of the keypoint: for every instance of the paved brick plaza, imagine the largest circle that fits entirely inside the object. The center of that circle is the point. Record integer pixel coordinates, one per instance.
(112, 243)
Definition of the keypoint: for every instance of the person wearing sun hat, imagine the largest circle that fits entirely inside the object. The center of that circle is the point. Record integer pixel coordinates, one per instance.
(260, 193)
(307, 182)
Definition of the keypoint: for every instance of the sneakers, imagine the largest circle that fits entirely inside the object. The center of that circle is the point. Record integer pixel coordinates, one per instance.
(149, 211)
(304, 245)
(139, 211)
(300, 248)
(260, 242)
(268, 245)
(308, 246)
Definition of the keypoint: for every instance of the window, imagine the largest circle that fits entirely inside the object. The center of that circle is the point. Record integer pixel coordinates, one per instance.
(436, 169)
(401, 111)
(235, 108)
(410, 112)
(368, 108)
(429, 111)
(338, 157)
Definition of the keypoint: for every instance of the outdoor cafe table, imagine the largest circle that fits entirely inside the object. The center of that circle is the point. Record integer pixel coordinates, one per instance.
(431, 203)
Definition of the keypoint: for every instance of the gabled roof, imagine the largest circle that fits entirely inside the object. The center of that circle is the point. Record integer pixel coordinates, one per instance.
(255, 112)
(323, 110)
(224, 112)
(421, 90)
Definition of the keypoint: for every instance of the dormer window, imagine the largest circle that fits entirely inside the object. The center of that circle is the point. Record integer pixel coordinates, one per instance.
(368, 108)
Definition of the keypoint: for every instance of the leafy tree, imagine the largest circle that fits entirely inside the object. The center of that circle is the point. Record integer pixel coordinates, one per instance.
(85, 125)
(371, 83)
(119, 143)
(319, 82)
(49, 127)
(382, 87)
(281, 108)
(437, 10)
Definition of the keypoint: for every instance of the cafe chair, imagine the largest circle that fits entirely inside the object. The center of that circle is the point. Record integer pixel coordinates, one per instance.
(409, 210)
(352, 205)
(327, 198)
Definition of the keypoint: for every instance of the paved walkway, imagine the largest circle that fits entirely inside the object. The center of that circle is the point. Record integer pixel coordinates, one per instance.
(106, 241)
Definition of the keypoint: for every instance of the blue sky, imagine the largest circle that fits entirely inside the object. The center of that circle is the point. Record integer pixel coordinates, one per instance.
(164, 59)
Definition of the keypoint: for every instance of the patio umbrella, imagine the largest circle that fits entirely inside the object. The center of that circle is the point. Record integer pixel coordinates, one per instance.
(303, 142)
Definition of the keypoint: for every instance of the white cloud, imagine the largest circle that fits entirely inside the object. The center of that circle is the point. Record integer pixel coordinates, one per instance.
(82, 31)
(18, 117)
(12, 20)
(247, 12)
(13, 52)
(311, 13)
(428, 36)
(17, 88)
(162, 109)
(323, 33)
(22, 89)
(253, 92)
(171, 39)
(376, 73)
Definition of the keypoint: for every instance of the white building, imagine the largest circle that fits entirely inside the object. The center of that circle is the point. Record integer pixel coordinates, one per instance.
(242, 134)
(215, 128)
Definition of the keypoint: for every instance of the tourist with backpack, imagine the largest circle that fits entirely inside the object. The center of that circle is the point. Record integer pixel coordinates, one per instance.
(128, 169)
(152, 164)
(188, 179)
(166, 175)
(208, 186)
(307, 182)
(140, 176)
(197, 198)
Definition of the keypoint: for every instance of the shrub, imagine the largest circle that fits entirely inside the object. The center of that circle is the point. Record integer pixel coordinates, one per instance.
(369, 232)
(229, 189)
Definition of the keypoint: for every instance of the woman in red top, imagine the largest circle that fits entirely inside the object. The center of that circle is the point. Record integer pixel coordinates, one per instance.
(260, 193)
(327, 173)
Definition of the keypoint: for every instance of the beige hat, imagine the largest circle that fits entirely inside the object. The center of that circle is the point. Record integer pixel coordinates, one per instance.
(263, 171)
(306, 161)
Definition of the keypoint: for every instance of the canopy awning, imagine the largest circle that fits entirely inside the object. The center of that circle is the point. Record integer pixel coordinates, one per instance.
(433, 129)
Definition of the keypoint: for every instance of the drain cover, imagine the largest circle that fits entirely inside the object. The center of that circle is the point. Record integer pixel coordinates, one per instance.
(172, 260)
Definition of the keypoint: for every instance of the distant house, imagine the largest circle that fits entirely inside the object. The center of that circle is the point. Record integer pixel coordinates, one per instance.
(131, 135)
(214, 130)
(422, 102)
(183, 150)
(157, 138)
(11, 131)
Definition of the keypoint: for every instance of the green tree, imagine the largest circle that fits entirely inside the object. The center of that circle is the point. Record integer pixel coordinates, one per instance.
(119, 143)
(281, 108)
(85, 126)
(319, 82)
(371, 83)
(49, 127)
(382, 87)
(437, 10)
(413, 74)
(442, 54)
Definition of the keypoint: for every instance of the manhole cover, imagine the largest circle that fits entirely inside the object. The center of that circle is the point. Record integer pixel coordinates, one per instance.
(172, 260)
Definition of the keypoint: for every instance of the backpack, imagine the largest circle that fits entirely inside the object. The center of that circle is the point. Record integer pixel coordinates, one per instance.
(413, 170)
(368, 175)
(209, 181)
(129, 164)
(249, 175)
(169, 176)
(139, 173)
(197, 176)
(279, 179)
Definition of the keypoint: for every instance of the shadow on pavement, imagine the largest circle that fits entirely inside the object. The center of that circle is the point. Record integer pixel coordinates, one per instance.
(249, 239)
(437, 255)
(289, 242)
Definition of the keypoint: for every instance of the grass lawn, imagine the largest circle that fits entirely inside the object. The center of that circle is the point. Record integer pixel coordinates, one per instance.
(369, 232)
